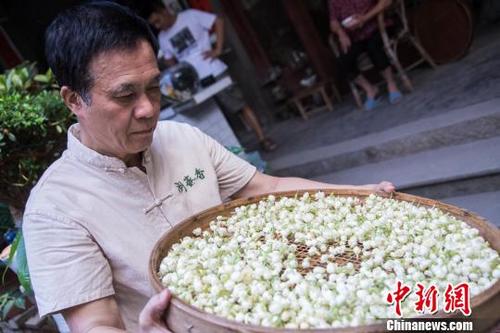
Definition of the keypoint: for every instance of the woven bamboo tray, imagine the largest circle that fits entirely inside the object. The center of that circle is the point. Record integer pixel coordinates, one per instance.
(184, 318)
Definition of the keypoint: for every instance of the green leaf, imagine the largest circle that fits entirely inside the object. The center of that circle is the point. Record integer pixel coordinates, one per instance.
(20, 303)
(3, 299)
(17, 81)
(7, 307)
(27, 84)
(59, 129)
(42, 78)
(11, 137)
(13, 249)
(8, 82)
(24, 72)
(23, 274)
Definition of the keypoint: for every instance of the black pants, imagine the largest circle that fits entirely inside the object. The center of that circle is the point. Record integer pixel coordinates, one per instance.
(373, 46)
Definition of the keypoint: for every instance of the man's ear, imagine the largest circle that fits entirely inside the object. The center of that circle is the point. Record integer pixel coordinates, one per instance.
(73, 100)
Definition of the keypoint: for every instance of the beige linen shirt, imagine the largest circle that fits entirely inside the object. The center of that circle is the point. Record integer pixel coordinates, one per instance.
(91, 222)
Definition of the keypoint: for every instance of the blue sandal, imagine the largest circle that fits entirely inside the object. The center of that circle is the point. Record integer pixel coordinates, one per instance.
(395, 97)
(371, 103)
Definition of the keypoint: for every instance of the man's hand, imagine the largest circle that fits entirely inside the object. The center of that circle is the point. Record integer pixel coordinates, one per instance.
(345, 42)
(211, 54)
(151, 316)
(381, 187)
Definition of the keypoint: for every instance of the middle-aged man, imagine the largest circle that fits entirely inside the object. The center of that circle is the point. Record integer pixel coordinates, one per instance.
(125, 179)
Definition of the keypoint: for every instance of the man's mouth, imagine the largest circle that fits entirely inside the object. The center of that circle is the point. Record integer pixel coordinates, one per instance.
(147, 131)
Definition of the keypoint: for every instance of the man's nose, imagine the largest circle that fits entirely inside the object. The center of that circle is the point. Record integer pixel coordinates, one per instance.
(145, 107)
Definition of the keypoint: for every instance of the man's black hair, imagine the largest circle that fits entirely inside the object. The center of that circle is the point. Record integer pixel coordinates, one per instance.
(81, 33)
(149, 7)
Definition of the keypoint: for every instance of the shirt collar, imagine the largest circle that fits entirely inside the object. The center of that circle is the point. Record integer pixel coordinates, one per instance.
(84, 154)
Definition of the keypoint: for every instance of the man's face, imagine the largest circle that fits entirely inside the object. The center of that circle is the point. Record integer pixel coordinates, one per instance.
(125, 102)
(161, 19)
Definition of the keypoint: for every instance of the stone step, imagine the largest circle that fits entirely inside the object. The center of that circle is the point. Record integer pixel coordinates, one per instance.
(474, 122)
(475, 159)
(486, 204)
(458, 187)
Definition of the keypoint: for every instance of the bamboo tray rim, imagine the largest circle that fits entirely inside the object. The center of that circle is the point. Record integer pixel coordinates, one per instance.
(480, 223)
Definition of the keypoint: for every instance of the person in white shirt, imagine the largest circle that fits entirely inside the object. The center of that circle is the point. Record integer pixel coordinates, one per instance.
(186, 37)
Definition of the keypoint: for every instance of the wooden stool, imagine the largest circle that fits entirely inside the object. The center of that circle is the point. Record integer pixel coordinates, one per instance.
(307, 92)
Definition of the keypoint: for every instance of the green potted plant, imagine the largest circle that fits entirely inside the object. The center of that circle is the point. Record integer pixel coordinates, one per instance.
(33, 125)
(33, 121)
(15, 291)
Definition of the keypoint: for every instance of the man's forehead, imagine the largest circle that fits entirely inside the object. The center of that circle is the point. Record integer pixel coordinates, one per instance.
(122, 66)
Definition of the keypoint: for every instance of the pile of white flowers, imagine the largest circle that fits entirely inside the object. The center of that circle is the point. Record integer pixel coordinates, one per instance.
(246, 267)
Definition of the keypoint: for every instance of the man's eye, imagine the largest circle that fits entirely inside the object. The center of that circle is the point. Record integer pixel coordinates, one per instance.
(125, 96)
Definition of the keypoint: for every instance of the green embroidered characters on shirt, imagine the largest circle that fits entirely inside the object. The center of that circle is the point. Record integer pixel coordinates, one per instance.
(180, 187)
(199, 173)
(189, 181)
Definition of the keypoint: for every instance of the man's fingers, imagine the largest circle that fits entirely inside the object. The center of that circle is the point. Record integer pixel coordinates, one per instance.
(155, 307)
(386, 186)
(151, 317)
(160, 302)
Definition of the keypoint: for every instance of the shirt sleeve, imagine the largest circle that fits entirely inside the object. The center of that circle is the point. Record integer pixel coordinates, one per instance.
(205, 19)
(66, 266)
(233, 173)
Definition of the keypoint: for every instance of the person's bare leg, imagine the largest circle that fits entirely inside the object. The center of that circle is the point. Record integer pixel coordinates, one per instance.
(389, 78)
(253, 122)
(394, 93)
(249, 116)
(370, 90)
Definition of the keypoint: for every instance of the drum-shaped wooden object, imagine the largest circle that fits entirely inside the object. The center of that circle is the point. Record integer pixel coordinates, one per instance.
(184, 318)
(444, 28)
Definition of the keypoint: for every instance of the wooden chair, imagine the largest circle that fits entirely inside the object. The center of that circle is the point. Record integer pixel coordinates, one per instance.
(310, 91)
(397, 11)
